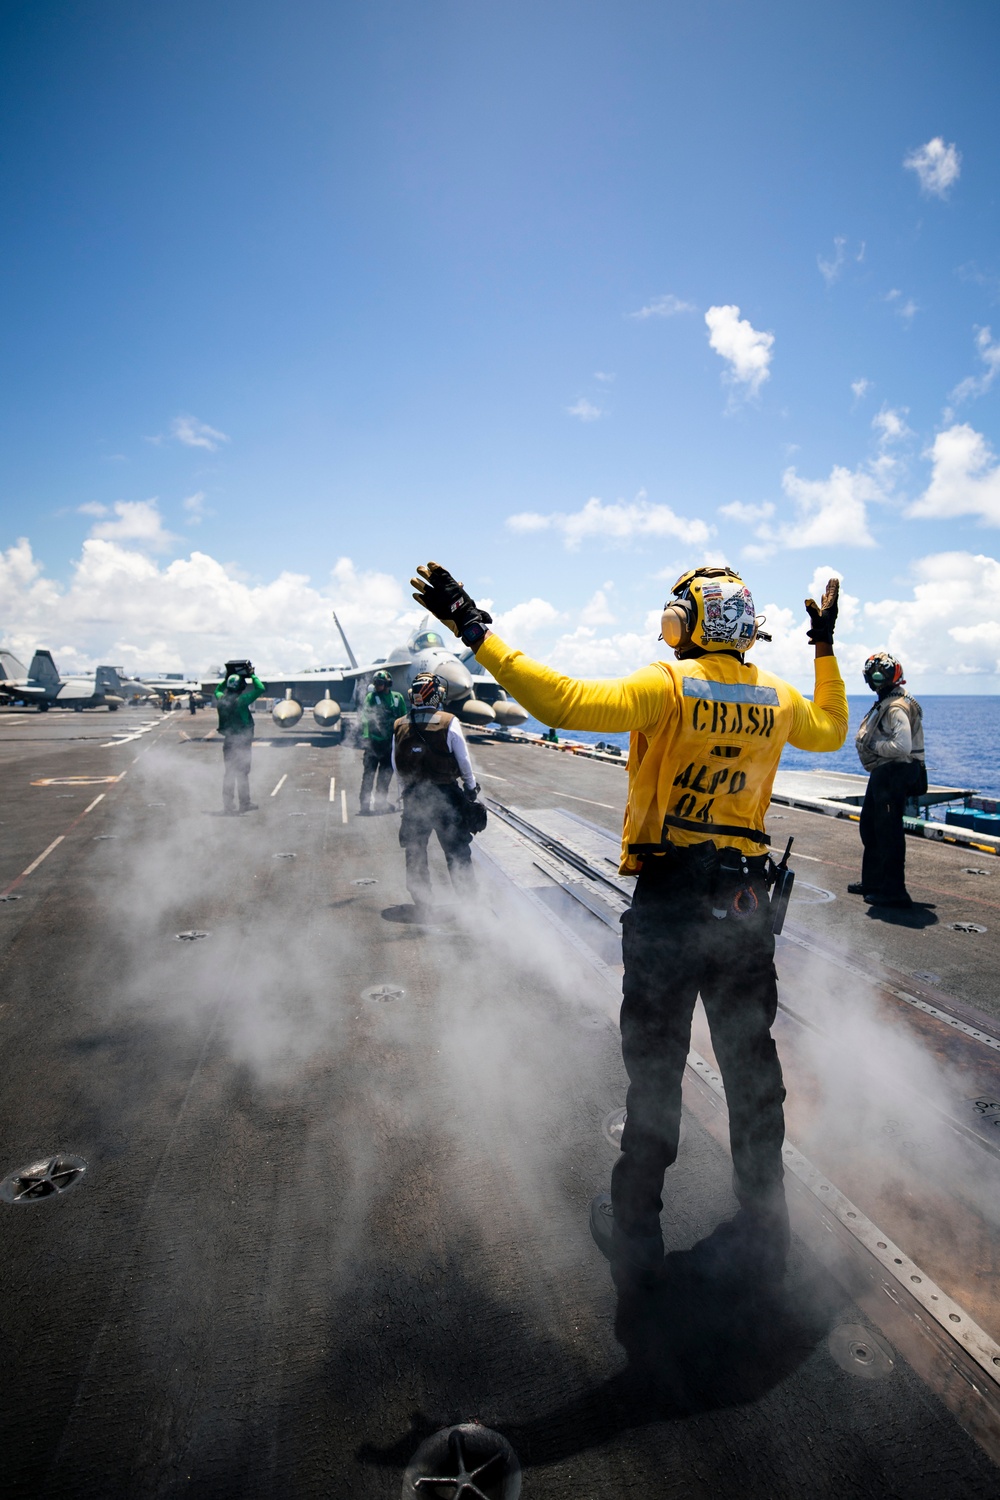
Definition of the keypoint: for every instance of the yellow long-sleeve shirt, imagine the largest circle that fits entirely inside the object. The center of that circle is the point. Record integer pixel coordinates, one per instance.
(706, 737)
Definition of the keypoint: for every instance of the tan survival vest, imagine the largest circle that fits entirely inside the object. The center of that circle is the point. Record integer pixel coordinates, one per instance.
(422, 752)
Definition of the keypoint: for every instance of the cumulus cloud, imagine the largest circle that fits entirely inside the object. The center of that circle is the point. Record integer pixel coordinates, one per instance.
(937, 166)
(619, 523)
(92, 508)
(828, 513)
(584, 410)
(121, 605)
(978, 385)
(194, 434)
(667, 306)
(526, 618)
(890, 424)
(965, 478)
(136, 521)
(740, 510)
(747, 351)
(830, 269)
(861, 387)
(951, 625)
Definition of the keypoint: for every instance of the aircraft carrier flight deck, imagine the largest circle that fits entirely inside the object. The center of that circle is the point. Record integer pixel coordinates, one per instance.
(293, 1182)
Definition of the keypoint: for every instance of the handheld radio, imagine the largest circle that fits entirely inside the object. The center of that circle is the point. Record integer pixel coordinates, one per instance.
(782, 880)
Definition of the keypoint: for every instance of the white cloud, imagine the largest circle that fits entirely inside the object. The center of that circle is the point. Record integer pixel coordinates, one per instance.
(620, 522)
(937, 166)
(905, 310)
(137, 521)
(739, 510)
(121, 605)
(667, 306)
(861, 387)
(526, 618)
(829, 512)
(890, 424)
(978, 385)
(92, 508)
(747, 351)
(604, 375)
(194, 434)
(597, 610)
(965, 478)
(951, 626)
(195, 507)
(830, 269)
(585, 410)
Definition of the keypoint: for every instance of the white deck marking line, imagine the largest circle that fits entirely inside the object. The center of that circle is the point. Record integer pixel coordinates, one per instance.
(488, 777)
(44, 855)
(333, 784)
(343, 807)
(280, 785)
(54, 845)
(609, 805)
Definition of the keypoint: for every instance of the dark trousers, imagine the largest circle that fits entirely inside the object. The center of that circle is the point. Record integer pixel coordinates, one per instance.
(884, 859)
(376, 771)
(673, 949)
(427, 809)
(236, 752)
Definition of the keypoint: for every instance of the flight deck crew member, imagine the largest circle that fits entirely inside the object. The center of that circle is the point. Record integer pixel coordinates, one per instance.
(890, 746)
(707, 730)
(379, 712)
(233, 698)
(430, 756)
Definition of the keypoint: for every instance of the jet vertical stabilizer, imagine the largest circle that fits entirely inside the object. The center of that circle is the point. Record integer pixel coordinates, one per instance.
(43, 670)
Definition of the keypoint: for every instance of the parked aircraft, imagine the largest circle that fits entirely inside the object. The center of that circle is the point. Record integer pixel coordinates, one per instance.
(43, 687)
(477, 701)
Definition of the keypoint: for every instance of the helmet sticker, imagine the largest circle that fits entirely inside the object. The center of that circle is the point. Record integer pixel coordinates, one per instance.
(729, 615)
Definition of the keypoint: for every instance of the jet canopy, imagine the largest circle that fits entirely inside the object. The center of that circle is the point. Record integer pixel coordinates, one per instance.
(424, 640)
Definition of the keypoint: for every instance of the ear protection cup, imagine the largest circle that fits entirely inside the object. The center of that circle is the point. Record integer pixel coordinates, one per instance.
(676, 621)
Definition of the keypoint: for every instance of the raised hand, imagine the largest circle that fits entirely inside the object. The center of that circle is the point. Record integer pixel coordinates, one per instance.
(823, 617)
(445, 598)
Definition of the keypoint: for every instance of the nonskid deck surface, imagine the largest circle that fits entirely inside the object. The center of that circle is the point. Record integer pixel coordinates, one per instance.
(338, 1167)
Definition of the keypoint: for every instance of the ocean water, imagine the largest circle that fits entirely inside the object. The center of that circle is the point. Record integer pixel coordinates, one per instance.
(961, 739)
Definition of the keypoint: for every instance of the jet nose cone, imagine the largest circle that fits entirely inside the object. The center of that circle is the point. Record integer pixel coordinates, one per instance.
(456, 675)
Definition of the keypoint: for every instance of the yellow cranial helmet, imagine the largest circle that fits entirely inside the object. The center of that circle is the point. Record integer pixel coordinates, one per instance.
(711, 608)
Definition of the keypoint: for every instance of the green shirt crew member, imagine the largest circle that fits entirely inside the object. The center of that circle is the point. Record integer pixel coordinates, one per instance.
(379, 712)
(233, 698)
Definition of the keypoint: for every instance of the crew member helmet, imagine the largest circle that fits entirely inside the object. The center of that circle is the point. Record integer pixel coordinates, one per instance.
(233, 682)
(428, 691)
(381, 681)
(882, 671)
(711, 608)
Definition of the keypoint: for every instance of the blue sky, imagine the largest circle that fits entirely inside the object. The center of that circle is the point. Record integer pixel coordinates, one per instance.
(568, 296)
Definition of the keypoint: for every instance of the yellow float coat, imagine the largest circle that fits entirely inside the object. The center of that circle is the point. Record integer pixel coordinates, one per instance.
(706, 736)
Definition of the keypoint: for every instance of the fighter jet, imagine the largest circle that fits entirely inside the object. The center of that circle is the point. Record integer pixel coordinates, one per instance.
(43, 687)
(328, 691)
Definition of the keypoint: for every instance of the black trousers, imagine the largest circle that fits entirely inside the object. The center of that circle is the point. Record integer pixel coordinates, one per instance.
(376, 771)
(675, 949)
(883, 862)
(427, 809)
(236, 753)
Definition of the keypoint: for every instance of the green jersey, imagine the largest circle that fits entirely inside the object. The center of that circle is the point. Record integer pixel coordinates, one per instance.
(379, 713)
(234, 708)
